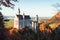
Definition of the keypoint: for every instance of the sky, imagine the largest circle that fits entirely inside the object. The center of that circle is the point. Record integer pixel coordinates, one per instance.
(42, 8)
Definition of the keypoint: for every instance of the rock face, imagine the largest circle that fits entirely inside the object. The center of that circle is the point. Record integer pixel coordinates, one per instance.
(53, 22)
(56, 18)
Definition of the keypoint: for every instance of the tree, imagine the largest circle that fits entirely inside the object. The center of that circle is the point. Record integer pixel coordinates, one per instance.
(7, 3)
(57, 6)
(1, 20)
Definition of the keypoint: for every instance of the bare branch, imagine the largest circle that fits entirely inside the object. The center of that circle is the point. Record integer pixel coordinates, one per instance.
(7, 3)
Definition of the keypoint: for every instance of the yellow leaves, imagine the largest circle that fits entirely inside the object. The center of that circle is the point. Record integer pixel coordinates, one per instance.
(53, 25)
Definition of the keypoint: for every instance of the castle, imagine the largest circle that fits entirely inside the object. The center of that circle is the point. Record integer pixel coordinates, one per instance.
(22, 21)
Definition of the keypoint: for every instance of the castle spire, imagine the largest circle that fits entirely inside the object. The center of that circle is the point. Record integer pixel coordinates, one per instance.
(19, 11)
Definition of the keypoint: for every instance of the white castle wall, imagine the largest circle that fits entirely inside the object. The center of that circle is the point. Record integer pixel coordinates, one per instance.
(16, 22)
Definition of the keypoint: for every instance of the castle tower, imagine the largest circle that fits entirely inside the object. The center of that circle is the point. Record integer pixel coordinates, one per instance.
(23, 20)
(16, 20)
(36, 23)
(19, 18)
(18, 11)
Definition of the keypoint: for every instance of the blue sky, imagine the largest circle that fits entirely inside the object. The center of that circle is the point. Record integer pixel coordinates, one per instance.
(42, 8)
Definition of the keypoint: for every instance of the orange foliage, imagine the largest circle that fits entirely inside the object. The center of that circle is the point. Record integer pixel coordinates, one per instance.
(42, 26)
(53, 23)
(48, 30)
(12, 30)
